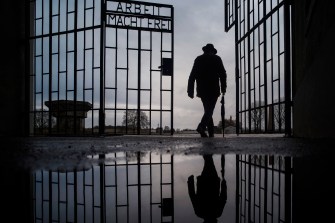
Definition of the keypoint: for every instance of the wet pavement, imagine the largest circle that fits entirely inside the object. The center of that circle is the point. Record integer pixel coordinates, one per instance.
(263, 178)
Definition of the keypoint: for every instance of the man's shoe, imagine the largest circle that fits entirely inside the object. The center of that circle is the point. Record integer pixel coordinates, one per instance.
(202, 132)
(210, 131)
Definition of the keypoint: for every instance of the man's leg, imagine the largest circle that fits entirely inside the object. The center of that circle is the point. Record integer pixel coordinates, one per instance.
(210, 127)
(202, 130)
(209, 170)
(207, 120)
(203, 123)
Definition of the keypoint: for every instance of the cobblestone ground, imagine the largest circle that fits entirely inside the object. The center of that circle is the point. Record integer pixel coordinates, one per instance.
(34, 152)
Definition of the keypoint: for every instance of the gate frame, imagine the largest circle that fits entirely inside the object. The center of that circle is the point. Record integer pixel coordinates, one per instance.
(231, 19)
(46, 90)
(140, 29)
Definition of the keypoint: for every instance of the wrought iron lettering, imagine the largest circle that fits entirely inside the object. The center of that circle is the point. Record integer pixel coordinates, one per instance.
(138, 15)
(136, 8)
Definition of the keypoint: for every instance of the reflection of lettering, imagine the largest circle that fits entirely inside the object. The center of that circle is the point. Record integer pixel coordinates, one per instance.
(137, 15)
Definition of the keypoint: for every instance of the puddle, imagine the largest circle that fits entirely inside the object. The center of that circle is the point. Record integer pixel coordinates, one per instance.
(153, 186)
(130, 186)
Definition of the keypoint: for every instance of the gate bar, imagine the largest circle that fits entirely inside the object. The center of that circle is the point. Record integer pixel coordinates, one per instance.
(287, 68)
(102, 70)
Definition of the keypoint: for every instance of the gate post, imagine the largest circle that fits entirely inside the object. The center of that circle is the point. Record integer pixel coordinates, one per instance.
(287, 68)
(139, 84)
(102, 69)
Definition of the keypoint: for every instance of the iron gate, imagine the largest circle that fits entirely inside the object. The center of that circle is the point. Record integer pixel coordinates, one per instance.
(263, 64)
(100, 67)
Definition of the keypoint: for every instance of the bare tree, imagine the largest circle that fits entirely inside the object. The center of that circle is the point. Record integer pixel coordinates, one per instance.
(130, 119)
(279, 115)
(257, 117)
(41, 120)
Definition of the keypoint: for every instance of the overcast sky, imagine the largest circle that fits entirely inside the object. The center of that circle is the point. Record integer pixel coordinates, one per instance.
(197, 23)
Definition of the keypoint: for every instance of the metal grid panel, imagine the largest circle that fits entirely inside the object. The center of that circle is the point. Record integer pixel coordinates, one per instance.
(263, 66)
(229, 14)
(64, 70)
(139, 97)
(126, 187)
(82, 77)
(263, 189)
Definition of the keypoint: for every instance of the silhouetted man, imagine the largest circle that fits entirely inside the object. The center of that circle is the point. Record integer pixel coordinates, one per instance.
(208, 202)
(209, 73)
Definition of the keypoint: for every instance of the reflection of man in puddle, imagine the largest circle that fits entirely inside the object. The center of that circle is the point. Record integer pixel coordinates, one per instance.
(208, 202)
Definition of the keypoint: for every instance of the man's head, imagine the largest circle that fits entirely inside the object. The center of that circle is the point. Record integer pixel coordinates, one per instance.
(209, 48)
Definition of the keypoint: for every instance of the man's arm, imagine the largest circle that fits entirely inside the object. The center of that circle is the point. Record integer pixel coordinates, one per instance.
(191, 189)
(223, 193)
(191, 80)
(223, 77)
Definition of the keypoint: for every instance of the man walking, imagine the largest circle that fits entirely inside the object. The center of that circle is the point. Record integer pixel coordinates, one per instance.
(211, 78)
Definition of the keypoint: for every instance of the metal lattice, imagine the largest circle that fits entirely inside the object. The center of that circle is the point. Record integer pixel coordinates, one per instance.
(263, 64)
(100, 67)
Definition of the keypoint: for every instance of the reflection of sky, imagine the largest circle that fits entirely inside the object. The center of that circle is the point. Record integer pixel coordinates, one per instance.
(161, 176)
(193, 165)
(88, 188)
(196, 24)
(112, 182)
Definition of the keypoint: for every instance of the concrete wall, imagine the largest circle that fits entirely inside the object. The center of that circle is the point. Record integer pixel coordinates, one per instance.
(311, 188)
(12, 69)
(314, 69)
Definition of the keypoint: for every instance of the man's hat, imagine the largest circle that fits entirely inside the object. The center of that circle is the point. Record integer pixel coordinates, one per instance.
(209, 47)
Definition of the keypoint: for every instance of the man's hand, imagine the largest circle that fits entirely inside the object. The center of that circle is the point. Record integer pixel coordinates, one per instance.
(190, 179)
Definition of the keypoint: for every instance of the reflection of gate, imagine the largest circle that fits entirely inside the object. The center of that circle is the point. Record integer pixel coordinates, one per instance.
(124, 187)
(263, 188)
(100, 67)
(263, 64)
